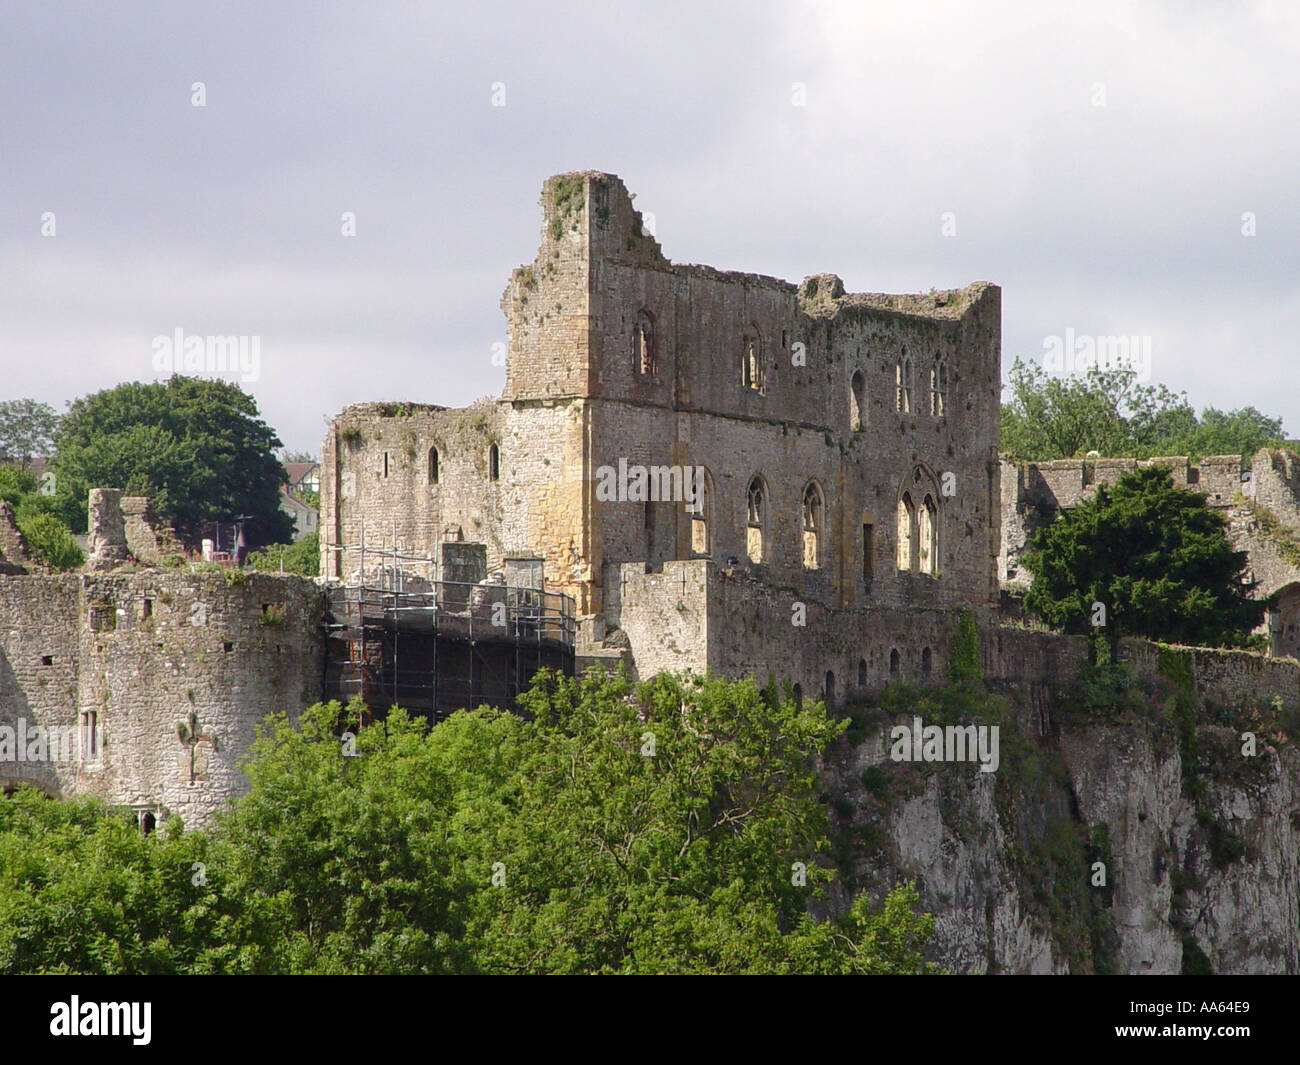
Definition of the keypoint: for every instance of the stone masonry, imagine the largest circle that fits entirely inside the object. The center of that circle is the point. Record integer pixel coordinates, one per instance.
(847, 443)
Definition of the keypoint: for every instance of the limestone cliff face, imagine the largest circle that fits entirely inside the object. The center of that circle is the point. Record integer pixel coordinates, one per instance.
(1202, 860)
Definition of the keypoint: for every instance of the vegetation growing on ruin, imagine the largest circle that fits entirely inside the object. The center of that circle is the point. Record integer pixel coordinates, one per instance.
(46, 535)
(568, 196)
(1282, 536)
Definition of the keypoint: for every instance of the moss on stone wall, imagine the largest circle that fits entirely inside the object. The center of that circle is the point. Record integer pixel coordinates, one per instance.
(964, 656)
(567, 197)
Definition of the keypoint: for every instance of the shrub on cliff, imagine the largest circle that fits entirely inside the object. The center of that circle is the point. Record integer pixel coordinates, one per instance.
(664, 827)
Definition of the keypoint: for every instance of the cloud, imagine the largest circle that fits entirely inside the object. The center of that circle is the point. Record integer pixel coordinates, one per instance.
(1121, 217)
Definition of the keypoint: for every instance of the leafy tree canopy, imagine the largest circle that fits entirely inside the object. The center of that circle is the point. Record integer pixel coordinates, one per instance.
(302, 557)
(26, 430)
(1108, 411)
(196, 447)
(617, 829)
(1157, 559)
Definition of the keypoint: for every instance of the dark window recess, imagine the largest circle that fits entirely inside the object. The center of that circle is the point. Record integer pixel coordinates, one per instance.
(227, 647)
(147, 610)
(47, 660)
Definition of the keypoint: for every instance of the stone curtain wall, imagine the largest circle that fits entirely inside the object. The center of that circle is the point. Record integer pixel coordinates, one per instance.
(1033, 491)
(142, 651)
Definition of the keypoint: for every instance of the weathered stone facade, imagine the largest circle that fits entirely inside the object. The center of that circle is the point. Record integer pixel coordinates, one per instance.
(116, 662)
(848, 443)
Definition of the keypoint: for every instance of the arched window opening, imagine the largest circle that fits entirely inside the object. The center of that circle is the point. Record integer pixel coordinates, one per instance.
(925, 660)
(798, 695)
(751, 361)
(893, 661)
(494, 463)
(830, 689)
(906, 527)
(645, 354)
(938, 388)
(862, 672)
(903, 383)
(926, 537)
(433, 465)
(813, 508)
(857, 402)
(700, 510)
(756, 520)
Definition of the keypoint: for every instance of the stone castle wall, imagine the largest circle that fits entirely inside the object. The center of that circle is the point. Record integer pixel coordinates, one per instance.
(133, 655)
(1032, 493)
(579, 399)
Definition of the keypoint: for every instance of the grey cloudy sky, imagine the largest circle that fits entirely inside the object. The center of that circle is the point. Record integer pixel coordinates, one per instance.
(1124, 218)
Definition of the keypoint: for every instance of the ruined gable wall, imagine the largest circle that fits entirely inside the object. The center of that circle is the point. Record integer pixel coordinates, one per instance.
(696, 411)
(148, 538)
(1275, 484)
(13, 548)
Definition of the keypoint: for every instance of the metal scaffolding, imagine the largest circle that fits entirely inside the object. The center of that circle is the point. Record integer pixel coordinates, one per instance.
(444, 647)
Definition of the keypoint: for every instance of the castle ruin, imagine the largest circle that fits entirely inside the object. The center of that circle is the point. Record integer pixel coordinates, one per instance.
(845, 447)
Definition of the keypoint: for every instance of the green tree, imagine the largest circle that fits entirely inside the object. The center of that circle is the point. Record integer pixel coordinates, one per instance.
(26, 429)
(1108, 411)
(46, 535)
(196, 447)
(338, 864)
(48, 540)
(83, 891)
(1155, 557)
(302, 557)
(670, 827)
